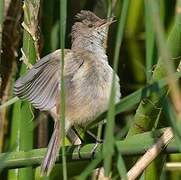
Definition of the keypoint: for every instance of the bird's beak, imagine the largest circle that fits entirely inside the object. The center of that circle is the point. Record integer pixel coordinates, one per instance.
(107, 22)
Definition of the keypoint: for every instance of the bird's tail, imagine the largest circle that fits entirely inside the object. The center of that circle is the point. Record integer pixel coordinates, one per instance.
(53, 148)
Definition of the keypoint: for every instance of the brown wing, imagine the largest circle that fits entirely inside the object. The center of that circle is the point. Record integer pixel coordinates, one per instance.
(40, 86)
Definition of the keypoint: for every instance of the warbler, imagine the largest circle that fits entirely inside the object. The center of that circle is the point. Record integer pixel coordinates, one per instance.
(87, 76)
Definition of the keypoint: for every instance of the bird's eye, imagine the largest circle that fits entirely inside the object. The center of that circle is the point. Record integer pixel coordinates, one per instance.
(90, 25)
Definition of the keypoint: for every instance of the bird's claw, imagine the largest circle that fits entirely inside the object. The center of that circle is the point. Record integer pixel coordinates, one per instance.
(93, 151)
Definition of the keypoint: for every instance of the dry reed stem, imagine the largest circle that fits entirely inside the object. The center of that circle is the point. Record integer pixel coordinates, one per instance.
(98, 174)
(150, 155)
(173, 166)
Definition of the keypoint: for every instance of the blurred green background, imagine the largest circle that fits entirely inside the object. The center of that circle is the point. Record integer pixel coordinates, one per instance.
(142, 54)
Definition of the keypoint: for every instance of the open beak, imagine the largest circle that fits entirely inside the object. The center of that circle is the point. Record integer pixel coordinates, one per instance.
(107, 22)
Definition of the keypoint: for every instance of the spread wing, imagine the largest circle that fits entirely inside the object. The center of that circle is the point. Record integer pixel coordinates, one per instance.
(40, 86)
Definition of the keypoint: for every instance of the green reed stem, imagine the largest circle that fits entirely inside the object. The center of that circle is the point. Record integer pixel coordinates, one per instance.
(63, 16)
(108, 148)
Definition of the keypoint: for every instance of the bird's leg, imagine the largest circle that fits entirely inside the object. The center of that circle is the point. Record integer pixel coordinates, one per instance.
(93, 151)
(98, 141)
(74, 137)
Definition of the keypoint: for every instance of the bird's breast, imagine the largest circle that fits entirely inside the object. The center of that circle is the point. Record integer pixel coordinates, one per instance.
(91, 88)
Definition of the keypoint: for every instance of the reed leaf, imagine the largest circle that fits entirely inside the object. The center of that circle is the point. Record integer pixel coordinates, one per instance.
(149, 108)
(150, 42)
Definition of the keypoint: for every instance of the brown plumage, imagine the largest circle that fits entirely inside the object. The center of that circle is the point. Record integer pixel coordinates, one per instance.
(87, 77)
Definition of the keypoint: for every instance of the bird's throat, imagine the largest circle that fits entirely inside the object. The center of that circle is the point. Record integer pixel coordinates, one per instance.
(89, 44)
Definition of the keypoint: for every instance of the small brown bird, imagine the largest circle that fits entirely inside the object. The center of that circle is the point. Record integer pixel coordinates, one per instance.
(87, 76)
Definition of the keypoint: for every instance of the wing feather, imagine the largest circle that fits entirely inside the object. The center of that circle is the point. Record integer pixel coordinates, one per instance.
(40, 85)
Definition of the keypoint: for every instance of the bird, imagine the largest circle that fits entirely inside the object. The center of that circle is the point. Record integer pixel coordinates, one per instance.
(87, 81)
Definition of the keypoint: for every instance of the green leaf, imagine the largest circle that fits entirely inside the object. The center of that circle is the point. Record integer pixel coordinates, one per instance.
(171, 116)
(121, 167)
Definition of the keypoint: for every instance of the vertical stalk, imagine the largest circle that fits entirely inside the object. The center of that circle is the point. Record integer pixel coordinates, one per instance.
(63, 14)
(150, 42)
(1, 31)
(108, 148)
(1, 24)
(22, 124)
(135, 13)
(109, 7)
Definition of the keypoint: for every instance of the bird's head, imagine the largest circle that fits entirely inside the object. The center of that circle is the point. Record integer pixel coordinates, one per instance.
(89, 26)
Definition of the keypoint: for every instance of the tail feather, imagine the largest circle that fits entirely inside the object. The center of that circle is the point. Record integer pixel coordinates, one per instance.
(53, 149)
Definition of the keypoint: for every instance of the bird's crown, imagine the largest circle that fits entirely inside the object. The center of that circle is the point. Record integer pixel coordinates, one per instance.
(87, 15)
